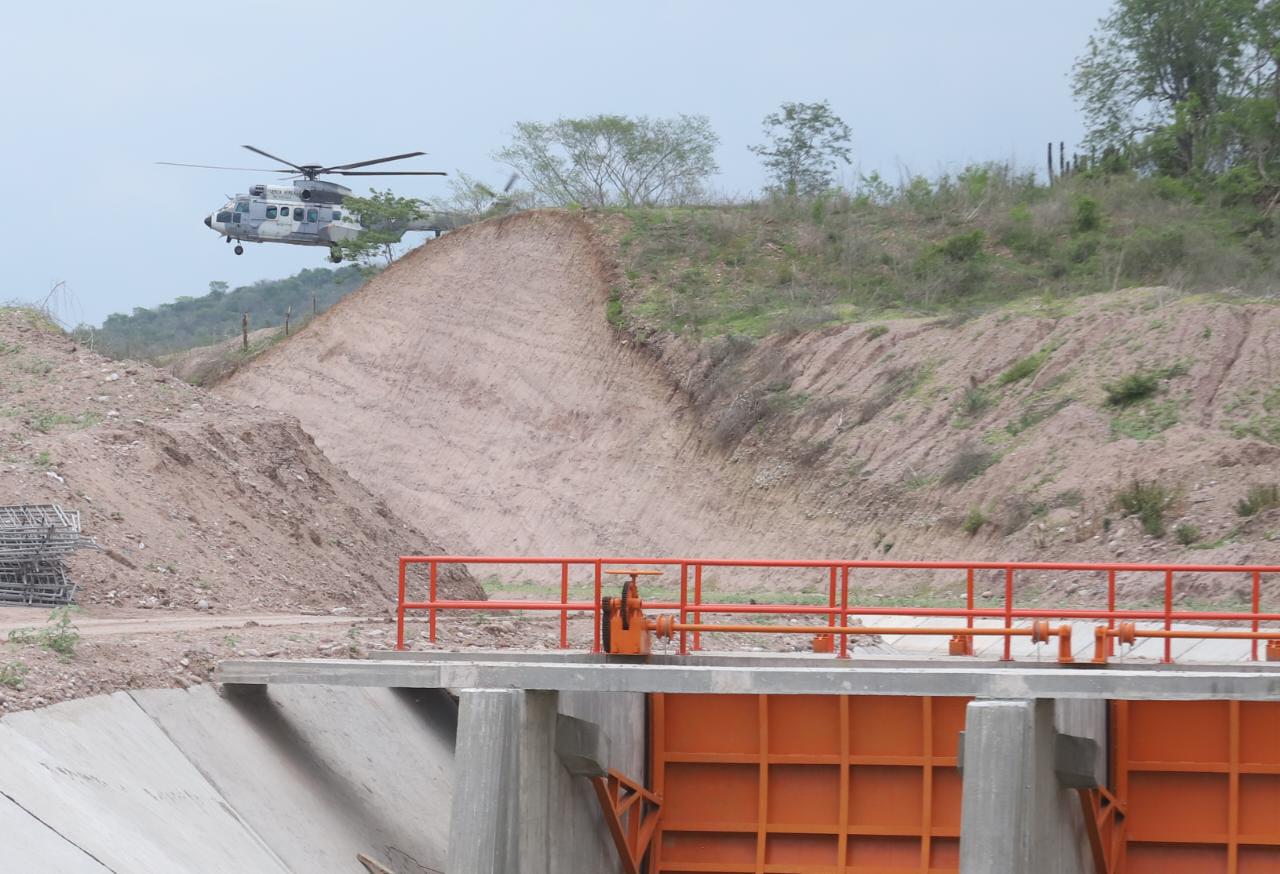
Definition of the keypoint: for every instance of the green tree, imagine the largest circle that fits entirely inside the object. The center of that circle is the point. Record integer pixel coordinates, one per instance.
(1167, 75)
(806, 143)
(607, 160)
(384, 218)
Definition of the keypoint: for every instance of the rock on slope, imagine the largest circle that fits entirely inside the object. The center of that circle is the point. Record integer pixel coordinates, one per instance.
(477, 386)
(192, 497)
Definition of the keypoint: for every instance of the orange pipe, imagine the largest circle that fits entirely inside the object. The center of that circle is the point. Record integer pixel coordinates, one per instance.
(854, 629)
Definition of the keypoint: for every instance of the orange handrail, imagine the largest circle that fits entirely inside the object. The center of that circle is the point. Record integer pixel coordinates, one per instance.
(838, 610)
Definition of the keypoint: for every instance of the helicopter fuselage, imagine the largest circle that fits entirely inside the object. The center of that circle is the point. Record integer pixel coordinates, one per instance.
(307, 213)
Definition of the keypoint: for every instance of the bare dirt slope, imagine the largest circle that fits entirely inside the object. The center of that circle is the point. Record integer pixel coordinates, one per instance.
(200, 506)
(477, 384)
(479, 388)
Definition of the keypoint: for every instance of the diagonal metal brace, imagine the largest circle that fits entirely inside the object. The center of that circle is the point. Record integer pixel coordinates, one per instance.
(631, 812)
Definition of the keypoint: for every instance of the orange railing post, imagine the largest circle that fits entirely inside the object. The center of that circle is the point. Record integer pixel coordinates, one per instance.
(1168, 615)
(1008, 613)
(1111, 608)
(1256, 603)
(684, 603)
(400, 607)
(697, 601)
(564, 605)
(844, 610)
(595, 612)
(431, 614)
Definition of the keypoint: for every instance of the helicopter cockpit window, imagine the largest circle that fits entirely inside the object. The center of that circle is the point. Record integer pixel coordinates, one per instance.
(271, 212)
(297, 213)
(224, 217)
(242, 206)
(313, 215)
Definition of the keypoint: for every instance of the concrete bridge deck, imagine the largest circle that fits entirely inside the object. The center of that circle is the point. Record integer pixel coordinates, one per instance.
(771, 675)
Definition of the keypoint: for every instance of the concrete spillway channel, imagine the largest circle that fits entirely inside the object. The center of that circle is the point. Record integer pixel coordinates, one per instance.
(290, 779)
(307, 766)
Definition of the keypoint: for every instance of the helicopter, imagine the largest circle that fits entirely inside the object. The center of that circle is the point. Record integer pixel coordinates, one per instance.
(306, 212)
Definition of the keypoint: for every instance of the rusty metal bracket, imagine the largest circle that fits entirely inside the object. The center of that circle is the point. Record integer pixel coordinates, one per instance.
(1104, 821)
(631, 811)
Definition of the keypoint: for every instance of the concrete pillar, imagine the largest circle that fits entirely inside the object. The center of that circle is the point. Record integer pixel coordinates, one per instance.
(517, 809)
(1017, 816)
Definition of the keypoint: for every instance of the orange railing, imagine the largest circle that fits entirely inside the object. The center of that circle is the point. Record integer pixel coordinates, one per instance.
(838, 610)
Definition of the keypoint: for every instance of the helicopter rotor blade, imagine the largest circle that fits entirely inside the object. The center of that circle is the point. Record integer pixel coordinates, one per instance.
(256, 150)
(387, 172)
(374, 161)
(506, 189)
(216, 167)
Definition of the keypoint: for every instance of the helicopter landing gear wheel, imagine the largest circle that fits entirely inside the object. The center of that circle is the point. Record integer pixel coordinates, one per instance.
(335, 255)
(239, 249)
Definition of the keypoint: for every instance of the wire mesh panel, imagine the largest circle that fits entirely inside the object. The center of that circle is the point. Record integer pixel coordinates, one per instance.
(34, 542)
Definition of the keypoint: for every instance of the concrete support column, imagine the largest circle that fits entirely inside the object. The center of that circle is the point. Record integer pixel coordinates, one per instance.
(1017, 815)
(516, 808)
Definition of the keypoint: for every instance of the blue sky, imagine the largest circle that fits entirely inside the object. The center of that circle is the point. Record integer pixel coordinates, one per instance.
(98, 92)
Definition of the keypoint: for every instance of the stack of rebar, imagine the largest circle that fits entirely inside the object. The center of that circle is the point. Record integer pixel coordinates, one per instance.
(35, 540)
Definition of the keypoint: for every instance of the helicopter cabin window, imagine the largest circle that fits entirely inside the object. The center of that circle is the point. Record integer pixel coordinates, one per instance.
(297, 213)
(271, 212)
(337, 216)
(242, 206)
(313, 215)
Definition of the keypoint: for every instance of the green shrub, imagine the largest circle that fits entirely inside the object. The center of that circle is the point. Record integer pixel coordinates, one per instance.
(973, 402)
(969, 462)
(1131, 388)
(877, 331)
(1186, 534)
(974, 521)
(59, 636)
(12, 674)
(1023, 367)
(1149, 253)
(1087, 215)
(1148, 501)
(1260, 497)
(963, 247)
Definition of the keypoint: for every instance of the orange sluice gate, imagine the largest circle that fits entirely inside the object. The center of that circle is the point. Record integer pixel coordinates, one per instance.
(1201, 784)
(801, 783)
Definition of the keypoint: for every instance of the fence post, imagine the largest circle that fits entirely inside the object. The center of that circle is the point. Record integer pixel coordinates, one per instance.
(697, 601)
(1168, 616)
(288, 313)
(684, 603)
(595, 611)
(244, 330)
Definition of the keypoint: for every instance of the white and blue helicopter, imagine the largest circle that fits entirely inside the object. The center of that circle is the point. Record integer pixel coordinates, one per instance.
(306, 211)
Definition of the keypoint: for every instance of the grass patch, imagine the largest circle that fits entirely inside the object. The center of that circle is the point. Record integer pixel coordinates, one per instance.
(1131, 389)
(47, 421)
(1186, 534)
(877, 331)
(973, 521)
(973, 402)
(970, 462)
(1145, 421)
(1023, 368)
(1259, 497)
(1149, 501)
(59, 636)
(13, 673)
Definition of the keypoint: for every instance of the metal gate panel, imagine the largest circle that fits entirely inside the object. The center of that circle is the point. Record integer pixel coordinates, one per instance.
(1200, 781)
(797, 783)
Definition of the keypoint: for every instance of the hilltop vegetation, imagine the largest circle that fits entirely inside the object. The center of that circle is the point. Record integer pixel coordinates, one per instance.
(205, 320)
(961, 244)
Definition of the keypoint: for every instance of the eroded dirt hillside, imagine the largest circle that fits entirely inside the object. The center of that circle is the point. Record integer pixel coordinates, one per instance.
(478, 387)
